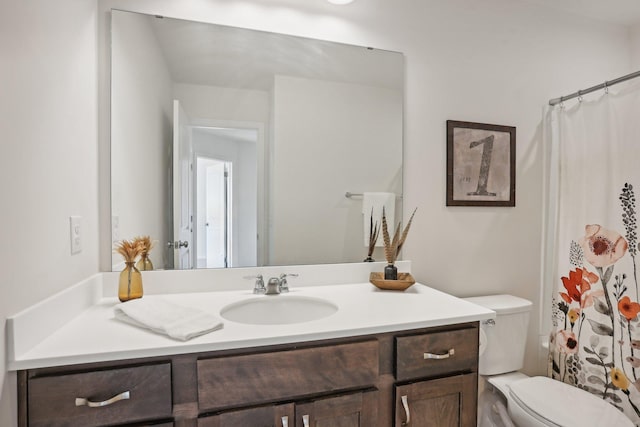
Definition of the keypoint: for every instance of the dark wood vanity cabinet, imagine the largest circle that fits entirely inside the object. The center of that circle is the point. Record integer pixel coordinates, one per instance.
(428, 376)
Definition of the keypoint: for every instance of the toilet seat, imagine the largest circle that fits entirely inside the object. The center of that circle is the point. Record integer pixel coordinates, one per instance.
(557, 404)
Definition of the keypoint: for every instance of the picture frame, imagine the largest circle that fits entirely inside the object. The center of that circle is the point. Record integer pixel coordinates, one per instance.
(481, 164)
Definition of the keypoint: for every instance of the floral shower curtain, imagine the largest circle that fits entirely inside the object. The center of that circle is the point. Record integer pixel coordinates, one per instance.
(595, 340)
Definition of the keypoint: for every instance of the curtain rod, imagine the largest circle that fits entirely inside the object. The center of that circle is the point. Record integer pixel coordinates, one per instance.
(604, 85)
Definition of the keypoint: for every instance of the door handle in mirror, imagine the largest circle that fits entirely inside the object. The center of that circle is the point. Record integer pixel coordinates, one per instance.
(178, 244)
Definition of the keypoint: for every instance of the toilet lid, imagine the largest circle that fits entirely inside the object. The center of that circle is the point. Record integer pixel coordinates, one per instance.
(559, 404)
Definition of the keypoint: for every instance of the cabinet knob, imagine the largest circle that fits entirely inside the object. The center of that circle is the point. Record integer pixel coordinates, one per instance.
(82, 401)
(446, 355)
(407, 414)
(305, 420)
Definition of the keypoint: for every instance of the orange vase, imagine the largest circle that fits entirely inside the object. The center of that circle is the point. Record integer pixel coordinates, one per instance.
(144, 264)
(130, 285)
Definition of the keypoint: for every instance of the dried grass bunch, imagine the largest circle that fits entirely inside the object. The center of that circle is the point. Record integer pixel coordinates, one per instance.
(129, 249)
(392, 247)
(145, 243)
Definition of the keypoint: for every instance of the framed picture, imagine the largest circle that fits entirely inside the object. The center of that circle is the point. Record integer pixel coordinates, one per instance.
(480, 164)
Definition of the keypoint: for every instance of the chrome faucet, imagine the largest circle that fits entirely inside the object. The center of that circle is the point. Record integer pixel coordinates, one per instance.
(273, 286)
(258, 287)
(278, 285)
(284, 286)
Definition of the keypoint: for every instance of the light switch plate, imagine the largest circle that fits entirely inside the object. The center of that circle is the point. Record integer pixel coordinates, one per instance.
(75, 234)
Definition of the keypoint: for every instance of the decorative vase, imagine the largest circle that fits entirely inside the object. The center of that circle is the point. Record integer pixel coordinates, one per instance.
(144, 264)
(130, 285)
(390, 272)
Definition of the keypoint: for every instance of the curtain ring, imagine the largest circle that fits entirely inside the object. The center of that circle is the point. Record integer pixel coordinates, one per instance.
(580, 99)
(606, 87)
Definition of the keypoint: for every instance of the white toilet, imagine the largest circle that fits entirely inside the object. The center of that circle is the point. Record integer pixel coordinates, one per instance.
(531, 401)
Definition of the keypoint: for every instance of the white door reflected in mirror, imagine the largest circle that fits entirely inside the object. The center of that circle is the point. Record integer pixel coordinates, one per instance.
(213, 220)
(182, 188)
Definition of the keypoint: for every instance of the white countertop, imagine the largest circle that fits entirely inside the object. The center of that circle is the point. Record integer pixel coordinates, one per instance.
(93, 335)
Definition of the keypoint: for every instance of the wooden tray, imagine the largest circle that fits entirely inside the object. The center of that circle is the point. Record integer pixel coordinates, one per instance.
(405, 280)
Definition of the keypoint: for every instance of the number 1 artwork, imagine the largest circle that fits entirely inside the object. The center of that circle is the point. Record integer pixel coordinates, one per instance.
(480, 164)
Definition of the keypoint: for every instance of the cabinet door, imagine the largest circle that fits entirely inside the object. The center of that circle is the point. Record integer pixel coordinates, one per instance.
(263, 416)
(351, 410)
(444, 402)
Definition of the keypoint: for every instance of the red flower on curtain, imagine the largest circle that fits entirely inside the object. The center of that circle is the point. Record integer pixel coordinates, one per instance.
(577, 285)
(628, 308)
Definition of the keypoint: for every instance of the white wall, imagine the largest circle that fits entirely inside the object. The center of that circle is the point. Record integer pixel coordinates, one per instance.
(495, 61)
(48, 165)
(323, 134)
(142, 117)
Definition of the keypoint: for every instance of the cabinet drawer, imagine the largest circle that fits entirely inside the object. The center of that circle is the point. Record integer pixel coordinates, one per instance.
(268, 377)
(436, 353)
(52, 399)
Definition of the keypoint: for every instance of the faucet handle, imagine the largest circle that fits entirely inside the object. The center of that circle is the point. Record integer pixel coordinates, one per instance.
(258, 287)
(284, 286)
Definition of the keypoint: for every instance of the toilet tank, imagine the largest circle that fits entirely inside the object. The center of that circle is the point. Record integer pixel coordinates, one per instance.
(503, 342)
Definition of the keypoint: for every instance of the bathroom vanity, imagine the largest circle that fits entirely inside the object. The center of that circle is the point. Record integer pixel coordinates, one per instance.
(383, 359)
(344, 382)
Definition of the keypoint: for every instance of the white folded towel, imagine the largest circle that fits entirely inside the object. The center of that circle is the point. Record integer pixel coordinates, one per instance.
(375, 202)
(164, 317)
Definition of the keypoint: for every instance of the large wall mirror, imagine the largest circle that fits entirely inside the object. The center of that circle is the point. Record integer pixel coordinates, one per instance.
(233, 147)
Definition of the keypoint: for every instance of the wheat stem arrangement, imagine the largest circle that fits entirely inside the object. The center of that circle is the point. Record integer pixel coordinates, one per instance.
(145, 243)
(129, 249)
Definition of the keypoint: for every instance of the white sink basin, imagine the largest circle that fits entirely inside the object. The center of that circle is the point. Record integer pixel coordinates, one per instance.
(278, 310)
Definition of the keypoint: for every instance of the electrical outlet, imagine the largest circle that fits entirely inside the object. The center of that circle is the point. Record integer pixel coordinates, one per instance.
(75, 230)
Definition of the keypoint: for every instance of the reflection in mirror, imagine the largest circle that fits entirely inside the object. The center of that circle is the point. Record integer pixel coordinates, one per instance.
(233, 147)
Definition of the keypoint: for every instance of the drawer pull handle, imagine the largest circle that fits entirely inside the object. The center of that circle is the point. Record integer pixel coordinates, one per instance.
(285, 421)
(447, 355)
(81, 401)
(405, 405)
(305, 420)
